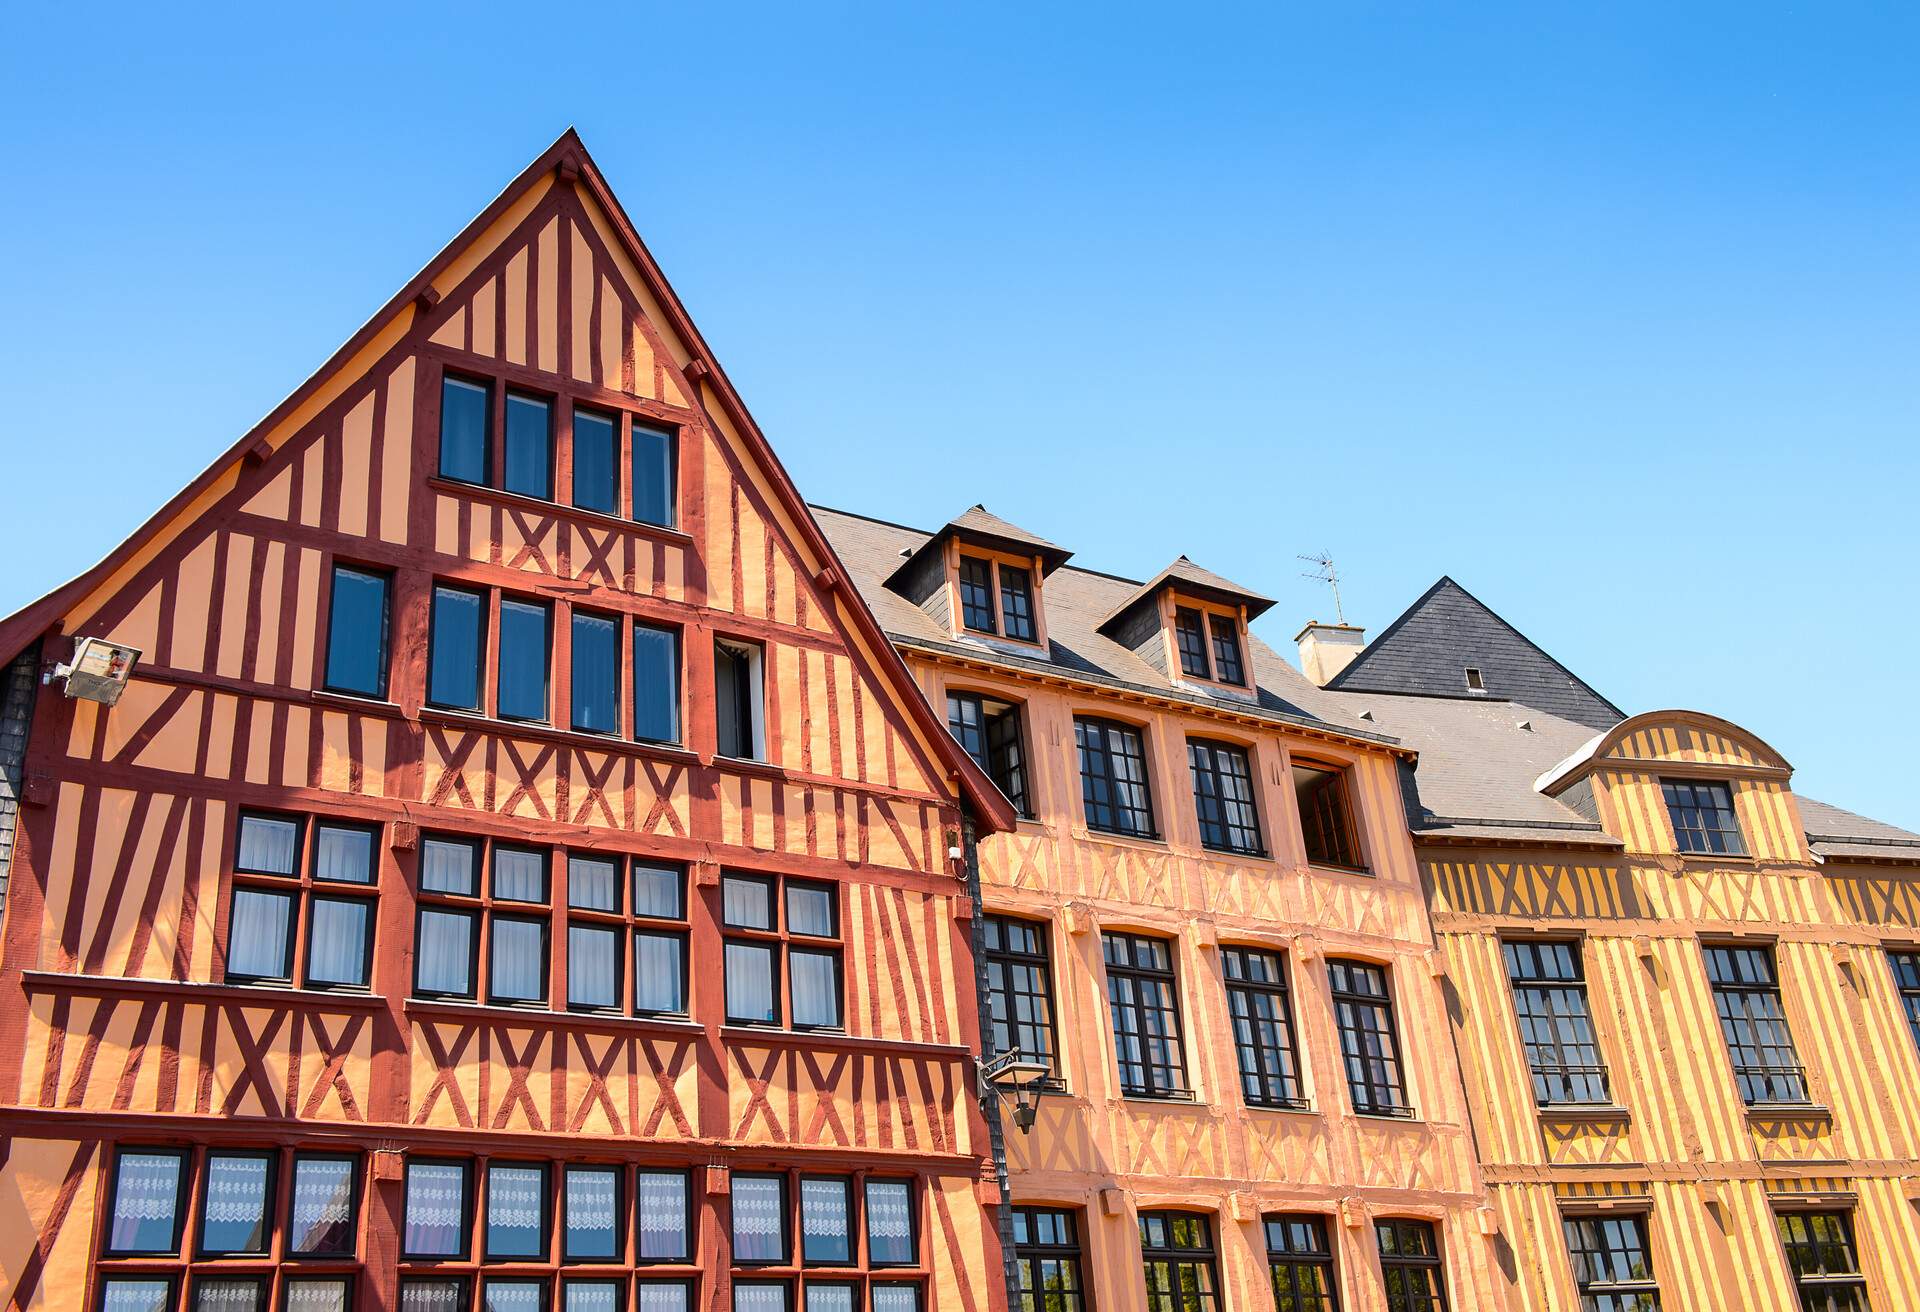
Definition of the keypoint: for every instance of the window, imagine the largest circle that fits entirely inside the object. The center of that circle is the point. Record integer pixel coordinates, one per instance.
(513, 915)
(1190, 638)
(1020, 991)
(896, 1297)
(989, 731)
(465, 426)
(1262, 1027)
(826, 1220)
(653, 476)
(357, 632)
(285, 910)
(236, 1210)
(1364, 1010)
(1146, 1015)
(663, 1200)
(762, 1296)
(1223, 797)
(892, 1236)
(522, 690)
(1824, 1262)
(148, 1186)
(458, 635)
(1113, 778)
(319, 1294)
(1046, 1255)
(1556, 1027)
(322, 1218)
(1474, 682)
(1746, 994)
(598, 928)
(767, 919)
(529, 464)
(1301, 1263)
(230, 1294)
(596, 458)
(759, 1219)
(1016, 603)
(736, 697)
(1410, 1266)
(976, 594)
(656, 684)
(1227, 667)
(810, 1225)
(1906, 977)
(136, 1294)
(516, 1211)
(438, 1202)
(1611, 1269)
(595, 682)
(590, 1214)
(1176, 1249)
(1703, 817)
(1326, 816)
(434, 1294)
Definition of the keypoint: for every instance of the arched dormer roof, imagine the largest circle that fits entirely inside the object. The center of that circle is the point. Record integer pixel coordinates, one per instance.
(1666, 739)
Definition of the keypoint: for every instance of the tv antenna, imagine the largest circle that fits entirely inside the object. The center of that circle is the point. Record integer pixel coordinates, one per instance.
(1325, 573)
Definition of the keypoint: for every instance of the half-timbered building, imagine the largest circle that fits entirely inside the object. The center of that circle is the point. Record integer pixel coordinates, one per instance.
(517, 873)
(1208, 929)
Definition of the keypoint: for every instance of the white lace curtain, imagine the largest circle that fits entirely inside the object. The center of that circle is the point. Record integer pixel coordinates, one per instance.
(432, 1295)
(823, 1219)
(316, 1296)
(889, 1221)
(757, 1216)
(513, 1198)
(228, 1296)
(434, 1198)
(322, 1205)
(135, 1296)
(146, 1195)
(590, 1201)
(662, 1205)
(896, 1298)
(662, 1296)
(236, 1190)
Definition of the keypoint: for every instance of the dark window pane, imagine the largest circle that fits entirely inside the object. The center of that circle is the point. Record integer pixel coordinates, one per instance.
(136, 1294)
(1410, 1266)
(443, 958)
(750, 995)
(146, 1201)
(337, 941)
(1113, 778)
(1145, 1012)
(826, 1225)
(595, 437)
(815, 986)
(1326, 817)
(233, 1214)
(596, 673)
(322, 1206)
(1177, 1251)
(1746, 994)
(1223, 797)
(653, 476)
(736, 701)
(656, 684)
(746, 902)
(1262, 1016)
(1369, 1046)
(463, 430)
(976, 594)
(453, 649)
(593, 882)
(1016, 603)
(343, 852)
(1611, 1267)
(260, 937)
(1226, 650)
(989, 732)
(268, 845)
(890, 1229)
(436, 1209)
(1704, 820)
(519, 874)
(447, 865)
(592, 1216)
(661, 1202)
(657, 891)
(516, 1211)
(759, 1218)
(1906, 977)
(1556, 1027)
(1189, 638)
(1823, 1260)
(357, 633)
(529, 446)
(593, 966)
(1047, 1260)
(523, 660)
(812, 910)
(1300, 1264)
(1019, 990)
(659, 973)
(518, 964)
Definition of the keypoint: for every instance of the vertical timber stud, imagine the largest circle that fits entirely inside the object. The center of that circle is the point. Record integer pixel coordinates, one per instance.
(990, 1103)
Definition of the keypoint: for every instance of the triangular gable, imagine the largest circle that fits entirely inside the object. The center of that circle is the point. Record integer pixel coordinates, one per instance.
(549, 281)
(1427, 650)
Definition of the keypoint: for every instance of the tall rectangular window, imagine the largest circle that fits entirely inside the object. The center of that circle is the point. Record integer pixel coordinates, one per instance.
(1369, 1047)
(590, 1214)
(524, 652)
(1176, 1250)
(596, 457)
(826, 1220)
(736, 695)
(322, 1217)
(1145, 1010)
(1020, 990)
(1113, 778)
(770, 922)
(653, 475)
(1047, 1257)
(1556, 1027)
(760, 1227)
(892, 1237)
(1703, 817)
(512, 922)
(458, 626)
(663, 1200)
(1190, 640)
(1326, 815)
(438, 1201)
(1410, 1265)
(656, 684)
(357, 632)
(659, 939)
(1824, 1261)
(1300, 1262)
(989, 730)
(1262, 1014)
(529, 446)
(1746, 994)
(1227, 666)
(465, 424)
(1223, 797)
(148, 1186)
(595, 677)
(1611, 1269)
(1016, 603)
(516, 1211)
(976, 594)
(1906, 978)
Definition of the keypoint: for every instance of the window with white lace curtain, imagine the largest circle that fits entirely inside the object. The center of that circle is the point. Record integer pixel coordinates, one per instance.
(236, 1204)
(516, 1211)
(301, 901)
(809, 1242)
(436, 1209)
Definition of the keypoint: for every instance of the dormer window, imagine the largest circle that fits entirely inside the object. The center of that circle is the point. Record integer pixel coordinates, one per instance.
(1016, 603)
(1189, 635)
(1226, 650)
(996, 598)
(1209, 646)
(976, 594)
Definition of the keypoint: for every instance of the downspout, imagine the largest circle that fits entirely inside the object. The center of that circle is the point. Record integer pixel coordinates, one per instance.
(990, 1103)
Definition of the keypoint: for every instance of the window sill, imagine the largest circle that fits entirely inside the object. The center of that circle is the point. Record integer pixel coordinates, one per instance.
(1153, 843)
(520, 500)
(1405, 1117)
(1233, 854)
(1163, 1099)
(355, 701)
(1327, 868)
(1789, 1111)
(1282, 1109)
(452, 1007)
(834, 1039)
(278, 994)
(547, 732)
(1584, 1113)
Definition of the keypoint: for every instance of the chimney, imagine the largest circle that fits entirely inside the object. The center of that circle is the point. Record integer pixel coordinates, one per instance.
(1327, 649)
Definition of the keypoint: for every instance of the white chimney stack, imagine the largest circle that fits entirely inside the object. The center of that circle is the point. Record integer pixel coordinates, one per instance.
(1327, 649)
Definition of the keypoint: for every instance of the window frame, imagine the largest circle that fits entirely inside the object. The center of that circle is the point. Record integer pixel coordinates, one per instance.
(1029, 1256)
(1822, 1283)
(384, 659)
(1195, 630)
(1569, 1074)
(301, 887)
(1042, 964)
(1108, 730)
(1394, 1059)
(1006, 762)
(183, 1194)
(997, 589)
(484, 1211)
(1581, 1255)
(1326, 1259)
(563, 1172)
(1286, 1054)
(268, 1203)
(469, 1172)
(781, 942)
(1686, 836)
(1723, 993)
(1904, 962)
(1215, 750)
(1349, 822)
(1206, 1296)
(754, 654)
(1163, 1081)
(357, 1182)
(1435, 1263)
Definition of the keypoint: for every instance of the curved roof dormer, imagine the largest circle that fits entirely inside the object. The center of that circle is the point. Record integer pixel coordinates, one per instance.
(1666, 740)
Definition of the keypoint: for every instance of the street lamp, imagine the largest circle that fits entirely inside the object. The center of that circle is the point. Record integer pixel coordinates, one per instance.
(1016, 1075)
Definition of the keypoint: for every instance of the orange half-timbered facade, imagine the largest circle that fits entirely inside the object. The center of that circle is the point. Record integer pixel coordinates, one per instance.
(517, 873)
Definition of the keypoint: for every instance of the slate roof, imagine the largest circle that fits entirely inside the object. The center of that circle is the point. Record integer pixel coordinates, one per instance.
(1195, 581)
(978, 524)
(1427, 650)
(1077, 601)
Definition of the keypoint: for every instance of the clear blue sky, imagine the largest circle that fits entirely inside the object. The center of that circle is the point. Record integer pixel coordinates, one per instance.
(1610, 311)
